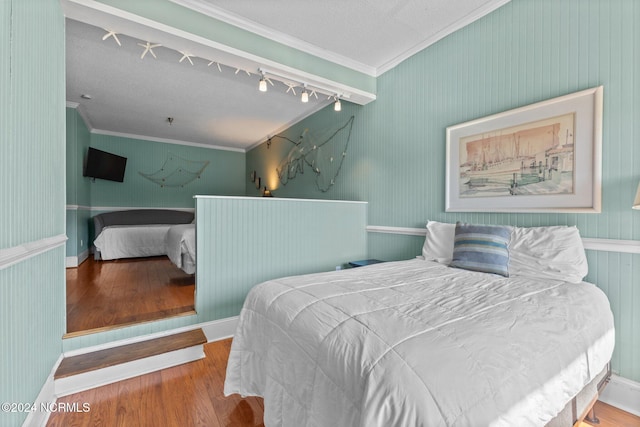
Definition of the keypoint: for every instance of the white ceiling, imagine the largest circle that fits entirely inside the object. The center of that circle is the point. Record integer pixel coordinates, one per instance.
(133, 96)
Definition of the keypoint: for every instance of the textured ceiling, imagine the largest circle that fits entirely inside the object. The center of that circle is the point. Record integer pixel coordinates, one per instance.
(374, 33)
(134, 96)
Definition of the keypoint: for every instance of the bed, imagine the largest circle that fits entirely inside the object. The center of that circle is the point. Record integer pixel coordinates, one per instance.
(135, 233)
(181, 246)
(422, 343)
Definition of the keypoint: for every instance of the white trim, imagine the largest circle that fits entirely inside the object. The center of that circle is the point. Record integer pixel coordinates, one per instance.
(74, 261)
(83, 113)
(296, 43)
(612, 245)
(46, 396)
(214, 330)
(16, 254)
(277, 36)
(99, 14)
(221, 329)
(78, 208)
(112, 374)
(397, 230)
(590, 243)
(166, 140)
(289, 124)
(276, 199)
(486, 9)
(623, 394)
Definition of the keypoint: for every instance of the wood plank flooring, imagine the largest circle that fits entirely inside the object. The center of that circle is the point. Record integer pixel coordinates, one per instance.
(192, 395)
(610, 416)
(182, 396)
(105, 294)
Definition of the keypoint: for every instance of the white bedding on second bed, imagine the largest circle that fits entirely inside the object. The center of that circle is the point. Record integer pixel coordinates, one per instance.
(127, 241)
(416, 343)
(181, 246)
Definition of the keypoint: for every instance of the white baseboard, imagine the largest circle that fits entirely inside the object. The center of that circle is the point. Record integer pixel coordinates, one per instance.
(217, 330)
(214, 330)
(112, 374)
(74, 261)
(623, 394)
(46, 397)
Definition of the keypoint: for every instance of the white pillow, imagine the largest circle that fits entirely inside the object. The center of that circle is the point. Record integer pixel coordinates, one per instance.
(554, 252)
(438, 245)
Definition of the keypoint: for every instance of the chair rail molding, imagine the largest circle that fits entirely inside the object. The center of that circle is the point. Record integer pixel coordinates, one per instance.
(590, 243)
(16, 254)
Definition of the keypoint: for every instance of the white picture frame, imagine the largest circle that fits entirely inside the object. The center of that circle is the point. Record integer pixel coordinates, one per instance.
(543, 157)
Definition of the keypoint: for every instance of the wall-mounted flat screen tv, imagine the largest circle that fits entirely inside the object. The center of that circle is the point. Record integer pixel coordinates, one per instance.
(103, 165)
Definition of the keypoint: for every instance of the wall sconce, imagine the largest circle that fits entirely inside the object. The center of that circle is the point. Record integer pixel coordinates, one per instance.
(636, 202)
(266, 192)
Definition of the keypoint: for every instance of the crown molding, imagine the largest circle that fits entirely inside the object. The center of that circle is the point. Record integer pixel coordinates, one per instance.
(167, 140)
(461, 23)
(277, 36)
(220, 14)
(87, 122)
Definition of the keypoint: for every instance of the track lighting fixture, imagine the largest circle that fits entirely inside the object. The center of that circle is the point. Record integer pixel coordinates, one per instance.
(288, 80)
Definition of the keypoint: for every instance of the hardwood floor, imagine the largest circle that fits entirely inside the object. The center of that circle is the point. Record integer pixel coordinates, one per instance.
(104, 294)
(610, 416)
(192, 395)
(182, 396)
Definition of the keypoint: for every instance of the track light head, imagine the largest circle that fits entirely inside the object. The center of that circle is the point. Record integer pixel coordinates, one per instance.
(305, 96)
(262, 86)
(337, 106)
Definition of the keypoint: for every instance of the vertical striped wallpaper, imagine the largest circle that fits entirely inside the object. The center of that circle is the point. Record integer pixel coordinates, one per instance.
(244, 241)
(32, 183)
(526, 51)
(78, 187)
(223, 176)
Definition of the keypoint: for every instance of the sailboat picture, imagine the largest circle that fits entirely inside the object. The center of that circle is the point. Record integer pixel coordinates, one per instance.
(535, 158)
(541, 157)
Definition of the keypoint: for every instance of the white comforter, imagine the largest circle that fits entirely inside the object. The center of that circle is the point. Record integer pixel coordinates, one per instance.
(131, 241)
(416, 343)
(181, 246)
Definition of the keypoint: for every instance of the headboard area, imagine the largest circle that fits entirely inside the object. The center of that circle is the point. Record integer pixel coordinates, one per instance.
(141, 217)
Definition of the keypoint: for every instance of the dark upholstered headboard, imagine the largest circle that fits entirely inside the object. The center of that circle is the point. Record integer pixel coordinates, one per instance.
(140, 217)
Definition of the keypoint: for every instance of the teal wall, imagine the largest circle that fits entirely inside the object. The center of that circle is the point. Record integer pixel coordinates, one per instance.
(32, 186)
(78, 189)
(526, 51)
(225, 175)
(243, 241)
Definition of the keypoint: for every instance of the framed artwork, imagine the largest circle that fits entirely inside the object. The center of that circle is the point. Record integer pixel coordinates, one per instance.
(258, 182)
(252, 176)
(544, 157)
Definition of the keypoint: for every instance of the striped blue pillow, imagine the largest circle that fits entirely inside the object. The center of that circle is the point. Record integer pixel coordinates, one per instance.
(482, 248)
